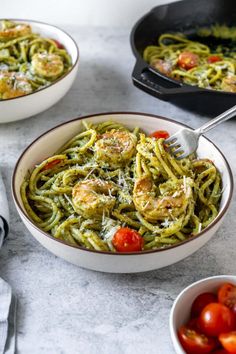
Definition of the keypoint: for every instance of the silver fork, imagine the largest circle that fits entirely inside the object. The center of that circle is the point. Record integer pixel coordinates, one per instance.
(185, 142)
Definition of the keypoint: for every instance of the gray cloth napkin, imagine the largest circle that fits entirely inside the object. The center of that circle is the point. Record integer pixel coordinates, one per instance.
(4, 212)
(7, 299)
(7, 319)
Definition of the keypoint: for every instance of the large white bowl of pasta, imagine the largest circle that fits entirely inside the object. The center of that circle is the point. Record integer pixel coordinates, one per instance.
(103, 193)
(38, 64)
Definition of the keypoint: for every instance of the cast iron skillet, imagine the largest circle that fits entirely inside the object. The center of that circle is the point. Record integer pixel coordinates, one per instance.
(182, 16)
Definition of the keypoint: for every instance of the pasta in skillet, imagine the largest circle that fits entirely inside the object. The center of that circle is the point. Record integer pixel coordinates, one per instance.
(194, 62)
(28, 62)
(109, 182)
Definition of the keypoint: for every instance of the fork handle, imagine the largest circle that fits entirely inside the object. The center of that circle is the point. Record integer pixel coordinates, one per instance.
(219, 119)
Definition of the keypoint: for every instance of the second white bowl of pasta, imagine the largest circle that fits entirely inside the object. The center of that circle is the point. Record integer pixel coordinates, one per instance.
(103, 193)
(38, 64)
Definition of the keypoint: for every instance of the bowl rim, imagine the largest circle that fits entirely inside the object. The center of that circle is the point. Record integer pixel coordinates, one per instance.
(61, 77)
(172, 328)
(213, 223)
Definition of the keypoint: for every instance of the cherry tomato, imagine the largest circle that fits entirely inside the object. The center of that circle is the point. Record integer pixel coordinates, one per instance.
(188, 60)
(195, 342)
(213, 58)
(220, 351)
(127, 240)
(58, 44)
(200, 302)
(215, 319)
(228, 340)
(160, 134)
(51, 164)
(227, 296)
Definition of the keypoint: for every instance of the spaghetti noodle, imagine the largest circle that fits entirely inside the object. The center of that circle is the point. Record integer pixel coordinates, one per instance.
(28, 62)
(108, 177)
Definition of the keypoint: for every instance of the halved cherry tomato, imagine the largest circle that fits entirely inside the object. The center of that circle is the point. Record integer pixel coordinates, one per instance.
(200, 302)
(228, 340)
(227, 296)
(215, 319)
(58, 44)
(213, 58)
(127, 240)
(195, 342)
(188, 60)
(51, 164)
(160, 134)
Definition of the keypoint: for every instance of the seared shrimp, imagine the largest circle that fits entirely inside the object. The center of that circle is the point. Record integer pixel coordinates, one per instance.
(229, 84)
(115, 147)
(13, 85)
(163, 66)
(47, 65)
(93, 198)
(12, 30)
(172, 200)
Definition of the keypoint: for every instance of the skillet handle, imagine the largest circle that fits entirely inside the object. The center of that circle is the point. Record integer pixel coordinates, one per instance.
(149, 80)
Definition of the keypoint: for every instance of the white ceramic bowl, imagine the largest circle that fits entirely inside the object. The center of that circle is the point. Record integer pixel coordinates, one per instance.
(49, 142)
(180, 312)
(13, 109)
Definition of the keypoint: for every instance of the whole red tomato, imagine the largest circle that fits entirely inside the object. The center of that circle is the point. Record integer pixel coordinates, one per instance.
(127, 240)
(215, 319)
(200, 302)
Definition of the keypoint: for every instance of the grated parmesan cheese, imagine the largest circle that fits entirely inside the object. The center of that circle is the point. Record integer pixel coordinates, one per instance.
(166, 223)
(109, 227)
(69, 201)
(90, 172)
(200, 227)
(185, 187)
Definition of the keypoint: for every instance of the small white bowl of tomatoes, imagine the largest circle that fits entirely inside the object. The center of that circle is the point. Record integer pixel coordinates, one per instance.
(203, 317)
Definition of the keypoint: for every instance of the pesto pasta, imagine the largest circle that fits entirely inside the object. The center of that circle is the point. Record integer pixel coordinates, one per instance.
(28, 62)
(107, 178)
(195, 63)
